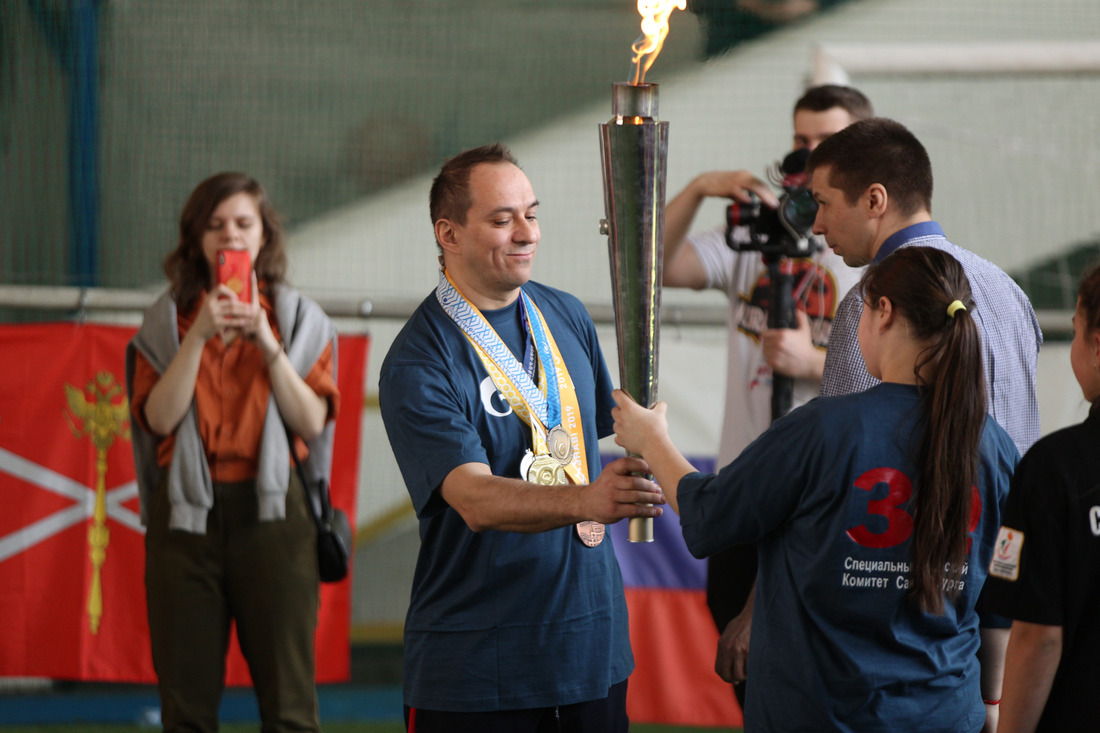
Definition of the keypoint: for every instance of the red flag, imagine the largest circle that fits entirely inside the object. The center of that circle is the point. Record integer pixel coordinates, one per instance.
(675, 642)
(72, 550)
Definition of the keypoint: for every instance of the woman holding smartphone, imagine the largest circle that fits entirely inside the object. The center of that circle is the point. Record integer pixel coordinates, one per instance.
(216, 384)
(875, 515)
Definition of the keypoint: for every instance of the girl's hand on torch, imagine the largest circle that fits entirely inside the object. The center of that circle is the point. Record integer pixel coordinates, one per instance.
(635, 425)
(645, 432)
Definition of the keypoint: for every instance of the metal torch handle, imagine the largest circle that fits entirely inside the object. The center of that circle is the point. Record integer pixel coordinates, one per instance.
(641, 528)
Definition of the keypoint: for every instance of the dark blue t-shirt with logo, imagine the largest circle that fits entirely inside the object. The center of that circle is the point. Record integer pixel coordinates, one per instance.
(499, 620)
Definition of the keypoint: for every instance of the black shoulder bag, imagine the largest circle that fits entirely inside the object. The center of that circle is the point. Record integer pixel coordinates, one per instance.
(333, 528)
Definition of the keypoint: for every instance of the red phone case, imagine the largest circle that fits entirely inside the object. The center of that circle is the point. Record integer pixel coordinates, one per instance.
(234, 268)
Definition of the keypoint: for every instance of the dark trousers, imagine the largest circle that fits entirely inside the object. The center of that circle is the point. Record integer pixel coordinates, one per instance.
(261, 575)
(606, 715)
(731, 575)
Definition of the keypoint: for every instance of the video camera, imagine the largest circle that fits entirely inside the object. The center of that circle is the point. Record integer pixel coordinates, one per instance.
(780, 235)
(783, 232)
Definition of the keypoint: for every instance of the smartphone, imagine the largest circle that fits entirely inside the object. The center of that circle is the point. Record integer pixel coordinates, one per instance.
(234, 270)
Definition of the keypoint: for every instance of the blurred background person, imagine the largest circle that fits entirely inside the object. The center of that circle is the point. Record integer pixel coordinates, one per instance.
(216, 383)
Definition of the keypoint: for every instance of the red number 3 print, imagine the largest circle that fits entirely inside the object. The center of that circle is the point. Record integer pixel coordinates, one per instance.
(899, 522)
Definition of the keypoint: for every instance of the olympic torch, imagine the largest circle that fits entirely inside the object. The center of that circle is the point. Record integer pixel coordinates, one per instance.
(634, 147)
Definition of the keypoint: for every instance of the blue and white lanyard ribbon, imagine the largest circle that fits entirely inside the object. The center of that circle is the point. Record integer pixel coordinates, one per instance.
(479, 331)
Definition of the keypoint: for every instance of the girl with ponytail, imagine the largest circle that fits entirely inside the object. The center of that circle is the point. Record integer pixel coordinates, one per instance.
(875, 515)
(944, 349)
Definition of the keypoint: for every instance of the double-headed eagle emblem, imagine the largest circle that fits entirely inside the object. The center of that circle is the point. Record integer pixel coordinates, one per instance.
(97, 412)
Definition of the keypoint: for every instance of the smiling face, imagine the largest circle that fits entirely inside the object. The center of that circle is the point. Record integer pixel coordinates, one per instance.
(489, 256)
(1084, 355)
(235, 224)
(846, 226)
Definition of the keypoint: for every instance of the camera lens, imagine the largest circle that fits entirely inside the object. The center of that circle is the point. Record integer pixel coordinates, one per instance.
(799, 209)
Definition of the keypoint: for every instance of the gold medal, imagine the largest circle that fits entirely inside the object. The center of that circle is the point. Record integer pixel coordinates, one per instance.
(561, 445)
(591, 533)
(546, 471)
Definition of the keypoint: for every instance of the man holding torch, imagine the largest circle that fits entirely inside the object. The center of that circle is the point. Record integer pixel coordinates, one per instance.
(494, 396)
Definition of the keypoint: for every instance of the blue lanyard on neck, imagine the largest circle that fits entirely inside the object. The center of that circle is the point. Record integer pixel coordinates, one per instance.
(532, 324)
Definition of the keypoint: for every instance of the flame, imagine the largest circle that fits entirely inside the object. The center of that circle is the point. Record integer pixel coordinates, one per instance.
(654, 29)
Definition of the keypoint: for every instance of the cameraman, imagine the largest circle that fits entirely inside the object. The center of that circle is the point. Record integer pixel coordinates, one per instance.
(704, 260)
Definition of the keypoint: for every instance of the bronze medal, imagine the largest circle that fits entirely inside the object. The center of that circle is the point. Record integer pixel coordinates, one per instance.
(591, 533)
(546, 471)
(561, 445)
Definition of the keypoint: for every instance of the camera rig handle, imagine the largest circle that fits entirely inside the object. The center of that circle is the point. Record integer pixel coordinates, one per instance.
(781, 314)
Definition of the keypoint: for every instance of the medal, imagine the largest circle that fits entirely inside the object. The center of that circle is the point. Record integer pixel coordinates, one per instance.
(525, 464)
(546, 471)
(591, 533)
(561, 445)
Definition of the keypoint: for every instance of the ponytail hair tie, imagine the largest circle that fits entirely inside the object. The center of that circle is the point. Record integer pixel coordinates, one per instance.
(954, 307)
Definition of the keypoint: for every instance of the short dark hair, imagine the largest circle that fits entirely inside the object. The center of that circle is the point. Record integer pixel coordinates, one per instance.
(186, 266)
(450, 193)
(827, 96)
(877, 150)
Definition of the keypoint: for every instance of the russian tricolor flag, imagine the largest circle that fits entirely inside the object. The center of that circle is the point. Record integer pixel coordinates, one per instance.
(671, 630)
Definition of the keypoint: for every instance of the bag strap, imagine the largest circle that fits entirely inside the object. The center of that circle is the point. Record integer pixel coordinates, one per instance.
(316, 491)
(320, 504)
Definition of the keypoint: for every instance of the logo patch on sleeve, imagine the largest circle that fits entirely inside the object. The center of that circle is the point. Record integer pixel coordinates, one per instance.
(1006, 554)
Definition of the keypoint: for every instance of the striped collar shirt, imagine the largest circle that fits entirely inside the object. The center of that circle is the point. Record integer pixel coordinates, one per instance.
(1010, 336)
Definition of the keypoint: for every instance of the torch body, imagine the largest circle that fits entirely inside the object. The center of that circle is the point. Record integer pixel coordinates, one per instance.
(634, 149)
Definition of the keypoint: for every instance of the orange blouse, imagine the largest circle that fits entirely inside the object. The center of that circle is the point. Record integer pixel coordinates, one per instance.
(231, 396)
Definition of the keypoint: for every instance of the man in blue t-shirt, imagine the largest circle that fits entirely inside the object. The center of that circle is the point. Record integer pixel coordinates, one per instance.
(494, 396)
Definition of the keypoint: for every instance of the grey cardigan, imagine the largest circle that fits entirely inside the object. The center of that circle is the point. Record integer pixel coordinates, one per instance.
(305, 330)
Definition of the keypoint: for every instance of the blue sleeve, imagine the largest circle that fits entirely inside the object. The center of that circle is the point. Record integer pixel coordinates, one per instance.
(427, 429)
(758, 492)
